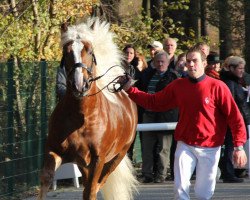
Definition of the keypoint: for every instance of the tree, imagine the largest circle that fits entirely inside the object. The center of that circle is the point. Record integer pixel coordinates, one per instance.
(228, 17)
(247, 35)
(31, 30)
(193, 17)
(225, 29)
(156, 9)
(146, 5)
(203, 16)
(110, 9)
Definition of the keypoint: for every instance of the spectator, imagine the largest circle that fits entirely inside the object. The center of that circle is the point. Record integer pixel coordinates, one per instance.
(154, 47)
(180, 68)
(135, 65)
(142, 63)
(157, 143)
(236, 67)
(130, 59)
(213, 65)
(204, 47)
(170, 45)
(61, 82)
(205, 107)
(134, 61)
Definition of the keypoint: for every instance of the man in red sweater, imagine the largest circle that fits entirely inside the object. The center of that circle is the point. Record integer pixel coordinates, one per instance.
(206, 107)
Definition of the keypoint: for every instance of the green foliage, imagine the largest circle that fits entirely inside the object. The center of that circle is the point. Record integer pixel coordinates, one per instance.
(176, 5)
(140, 29)
(31, 37)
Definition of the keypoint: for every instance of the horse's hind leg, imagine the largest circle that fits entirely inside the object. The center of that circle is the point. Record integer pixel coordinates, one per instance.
(51, 163)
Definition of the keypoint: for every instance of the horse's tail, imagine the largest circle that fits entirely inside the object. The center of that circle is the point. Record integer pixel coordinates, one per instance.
(121, 183)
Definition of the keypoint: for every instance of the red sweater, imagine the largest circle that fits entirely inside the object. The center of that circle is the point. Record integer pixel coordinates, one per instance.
(205, 108)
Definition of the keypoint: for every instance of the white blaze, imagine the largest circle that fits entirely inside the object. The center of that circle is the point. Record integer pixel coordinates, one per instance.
(77, 47)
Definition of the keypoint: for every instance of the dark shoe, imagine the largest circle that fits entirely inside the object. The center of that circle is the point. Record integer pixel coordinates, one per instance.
(240, 173)
(169, 178)
(159, 180)
(140, 176)
(233, 180)
(146, 180)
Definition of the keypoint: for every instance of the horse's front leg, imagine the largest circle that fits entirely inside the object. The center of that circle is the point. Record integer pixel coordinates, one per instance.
(51, 163)
(92, 172)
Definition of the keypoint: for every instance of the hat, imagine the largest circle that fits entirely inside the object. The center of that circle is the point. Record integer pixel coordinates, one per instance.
(213, 58)
(155, 44)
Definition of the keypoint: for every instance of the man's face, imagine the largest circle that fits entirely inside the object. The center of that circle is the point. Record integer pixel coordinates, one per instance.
(161, 63)
(195, 65)
(153, 50)
(170, 47)
(238, 71)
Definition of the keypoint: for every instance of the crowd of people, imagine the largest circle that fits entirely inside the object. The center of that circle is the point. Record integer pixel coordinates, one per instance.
(208, 97)
(211, 100)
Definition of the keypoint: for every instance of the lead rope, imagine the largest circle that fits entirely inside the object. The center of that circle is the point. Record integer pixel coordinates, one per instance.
(117, 86)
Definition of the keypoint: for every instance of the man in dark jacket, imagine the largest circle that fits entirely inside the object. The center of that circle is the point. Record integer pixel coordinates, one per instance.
(156, 144)
(236, 67)
(61, 82)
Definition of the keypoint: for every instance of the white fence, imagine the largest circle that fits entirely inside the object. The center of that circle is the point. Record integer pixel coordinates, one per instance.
(70, 170)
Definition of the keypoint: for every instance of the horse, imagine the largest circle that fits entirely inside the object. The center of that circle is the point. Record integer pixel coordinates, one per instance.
(92, 126)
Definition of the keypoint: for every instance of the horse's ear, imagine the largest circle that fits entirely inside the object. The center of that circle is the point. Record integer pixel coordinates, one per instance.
(92, 26)
(64, 27)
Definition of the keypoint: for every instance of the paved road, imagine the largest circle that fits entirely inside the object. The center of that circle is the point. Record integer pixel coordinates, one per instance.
(224, 191)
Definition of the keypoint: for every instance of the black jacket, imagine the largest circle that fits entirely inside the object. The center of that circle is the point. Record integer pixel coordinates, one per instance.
(238, 94)
(168, 77)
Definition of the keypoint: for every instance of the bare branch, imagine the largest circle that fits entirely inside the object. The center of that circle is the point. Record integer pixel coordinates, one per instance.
(16, 19)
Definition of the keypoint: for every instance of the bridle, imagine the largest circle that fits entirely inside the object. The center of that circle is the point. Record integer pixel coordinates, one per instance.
(88, 81)
(91, 79)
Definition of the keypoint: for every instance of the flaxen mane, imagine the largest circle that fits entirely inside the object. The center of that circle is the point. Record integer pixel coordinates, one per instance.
(106, 51)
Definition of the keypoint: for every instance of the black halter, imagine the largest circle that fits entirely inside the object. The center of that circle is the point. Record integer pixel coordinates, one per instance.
(87, 81)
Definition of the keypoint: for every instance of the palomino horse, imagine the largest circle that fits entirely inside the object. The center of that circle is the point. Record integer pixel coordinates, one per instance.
(91, 126)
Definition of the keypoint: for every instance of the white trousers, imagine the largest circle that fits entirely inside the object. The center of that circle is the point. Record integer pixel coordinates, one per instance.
(206, 162)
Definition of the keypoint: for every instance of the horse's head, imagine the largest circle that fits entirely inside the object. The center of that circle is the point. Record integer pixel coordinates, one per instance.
(79, 61)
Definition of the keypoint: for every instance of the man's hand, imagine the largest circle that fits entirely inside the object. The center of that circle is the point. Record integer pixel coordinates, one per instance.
(125, 81)
(239, 158)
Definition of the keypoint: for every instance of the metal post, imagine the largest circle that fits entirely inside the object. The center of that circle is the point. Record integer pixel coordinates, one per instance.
(10, 124)
(44, 123)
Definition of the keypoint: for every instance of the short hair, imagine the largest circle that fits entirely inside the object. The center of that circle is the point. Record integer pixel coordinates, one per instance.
(170, 39)
(235, 61)
(161, 53)
(198, 50)
(181, 55)
(201, 44)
